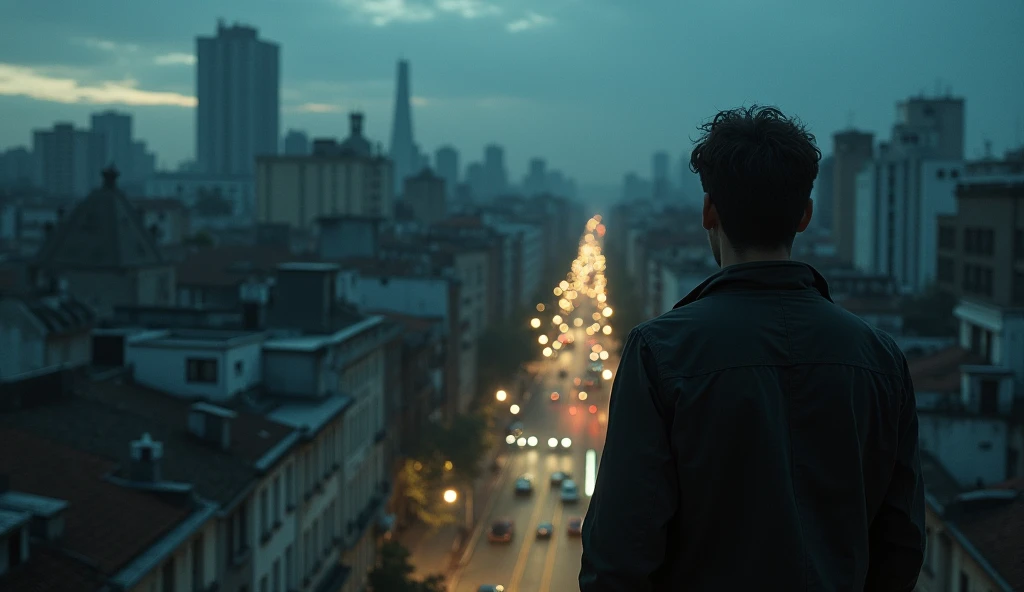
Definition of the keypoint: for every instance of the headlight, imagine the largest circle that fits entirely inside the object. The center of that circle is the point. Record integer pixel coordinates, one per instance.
(566, 442)
(510, 439)
(552, 442)
(532, 441)
(521, 442)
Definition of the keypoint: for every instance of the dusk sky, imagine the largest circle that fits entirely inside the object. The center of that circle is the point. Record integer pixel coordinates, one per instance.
(595, 86)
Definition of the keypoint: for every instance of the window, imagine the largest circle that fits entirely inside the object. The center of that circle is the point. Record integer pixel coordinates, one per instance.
(198, 575)
(945, 271)
(276, 575)
(989, 397)
(277, 499)
(264, 512)
(947, 237)
(203, 370)
(289, 485)
(289, 568)
(167, 575)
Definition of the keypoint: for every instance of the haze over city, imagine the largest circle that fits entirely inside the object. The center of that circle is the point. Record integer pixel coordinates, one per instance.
(595, 86)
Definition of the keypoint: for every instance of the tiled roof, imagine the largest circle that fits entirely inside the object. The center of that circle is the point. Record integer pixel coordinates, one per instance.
(226, 266)
(61, 314)
(103, 231)
(940, 371)
(107, 524)
(998, 534)
(108, 416)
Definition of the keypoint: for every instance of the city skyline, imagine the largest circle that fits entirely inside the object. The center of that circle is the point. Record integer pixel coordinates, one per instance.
(514, 92)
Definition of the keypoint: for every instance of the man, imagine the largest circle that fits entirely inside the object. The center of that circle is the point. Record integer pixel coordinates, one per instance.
(759, 436)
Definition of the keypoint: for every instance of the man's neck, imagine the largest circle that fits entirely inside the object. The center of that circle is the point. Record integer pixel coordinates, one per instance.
(732, 258)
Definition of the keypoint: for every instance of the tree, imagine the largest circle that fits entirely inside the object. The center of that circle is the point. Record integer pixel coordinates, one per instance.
(502, 351)
(462, 443)
(420, 488)
(394, 573)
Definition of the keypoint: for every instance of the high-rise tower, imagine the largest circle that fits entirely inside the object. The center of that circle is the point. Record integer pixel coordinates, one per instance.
(403, 148)
(238, 84)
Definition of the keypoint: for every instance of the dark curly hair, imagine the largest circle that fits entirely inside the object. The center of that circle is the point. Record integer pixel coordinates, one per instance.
(758, 167)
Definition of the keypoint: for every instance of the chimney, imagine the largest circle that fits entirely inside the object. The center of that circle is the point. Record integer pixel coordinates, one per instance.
(356, 124)
(146, 457)
(211, 424)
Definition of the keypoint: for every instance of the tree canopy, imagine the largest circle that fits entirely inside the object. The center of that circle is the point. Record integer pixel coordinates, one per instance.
(394, 573)
(502, 351)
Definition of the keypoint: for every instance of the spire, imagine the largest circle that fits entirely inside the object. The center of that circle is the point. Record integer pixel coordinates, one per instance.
(402, 143)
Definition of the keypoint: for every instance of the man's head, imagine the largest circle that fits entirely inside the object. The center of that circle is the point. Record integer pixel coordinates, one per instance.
(757, 168)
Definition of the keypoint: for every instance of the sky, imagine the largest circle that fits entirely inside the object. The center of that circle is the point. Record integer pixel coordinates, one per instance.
(594, 86)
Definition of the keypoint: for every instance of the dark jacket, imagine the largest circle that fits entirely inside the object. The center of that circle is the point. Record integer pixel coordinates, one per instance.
(760, 437)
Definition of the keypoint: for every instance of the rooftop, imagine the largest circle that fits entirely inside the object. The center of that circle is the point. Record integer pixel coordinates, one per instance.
(102, 232)
(107, 525)
(996, 530)
(60, 314)
(111, 414)
(310, 415)
(312, 343)
(940, 372)
(227, 266)
(210, 338)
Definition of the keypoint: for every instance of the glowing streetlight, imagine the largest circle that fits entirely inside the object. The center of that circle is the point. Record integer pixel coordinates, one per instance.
(583, 395)
(500, 396)
(603, 355)
(514, 409)
(547, 352)
(448, 465)
(543, 339)
(451, 496)
(607, 330)
(607, 311)
(540, 307)
(535, 323)
(578, 322)
(557, 319)
(607, 374)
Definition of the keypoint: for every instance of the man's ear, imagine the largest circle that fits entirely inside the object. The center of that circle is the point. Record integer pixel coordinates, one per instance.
(709, 214)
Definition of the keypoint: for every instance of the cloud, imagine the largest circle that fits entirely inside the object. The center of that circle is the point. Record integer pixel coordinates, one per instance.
(175, 59)
(385, 12)
(318, 108)
(105, 45)
(532, 20)
(32, 83)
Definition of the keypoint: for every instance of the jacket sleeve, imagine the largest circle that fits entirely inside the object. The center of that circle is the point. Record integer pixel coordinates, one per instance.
(635, 497)
(896, 538)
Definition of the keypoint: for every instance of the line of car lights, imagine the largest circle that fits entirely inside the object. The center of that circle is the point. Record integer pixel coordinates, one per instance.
(533, 441)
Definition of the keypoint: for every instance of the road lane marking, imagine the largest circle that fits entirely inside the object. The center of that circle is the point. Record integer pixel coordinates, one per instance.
(529, 534)
(549, 562)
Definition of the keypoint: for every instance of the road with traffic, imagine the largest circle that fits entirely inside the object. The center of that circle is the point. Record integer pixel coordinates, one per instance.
(528, 563)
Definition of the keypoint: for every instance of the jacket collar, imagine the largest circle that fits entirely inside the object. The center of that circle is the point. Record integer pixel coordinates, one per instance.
(761, 276)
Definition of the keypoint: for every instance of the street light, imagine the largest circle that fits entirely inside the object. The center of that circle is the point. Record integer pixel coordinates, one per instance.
(500, 396)
(451, 496)
(535, 323)
(514, 409)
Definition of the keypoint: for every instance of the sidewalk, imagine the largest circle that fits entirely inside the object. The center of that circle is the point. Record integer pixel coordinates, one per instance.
(434, 551)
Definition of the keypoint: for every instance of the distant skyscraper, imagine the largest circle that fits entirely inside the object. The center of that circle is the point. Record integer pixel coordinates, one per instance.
(69, 160)
(823, 195)
(403, 146)
(238, 85)
(661, 185)
(536, 180)
(852, 150)
(116, 129)
(296, 143)
(446, 161)
(495, 174)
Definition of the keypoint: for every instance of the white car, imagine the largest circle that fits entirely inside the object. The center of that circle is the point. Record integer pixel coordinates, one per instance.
(570, 493)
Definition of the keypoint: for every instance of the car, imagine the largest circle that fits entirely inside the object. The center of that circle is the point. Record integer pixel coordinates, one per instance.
(491, 588)
(558, 476)
(544, 530)
(555, 396)
(570, 493)
(515, 429)
(501, 531)
(524, 485)
(575, 526)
